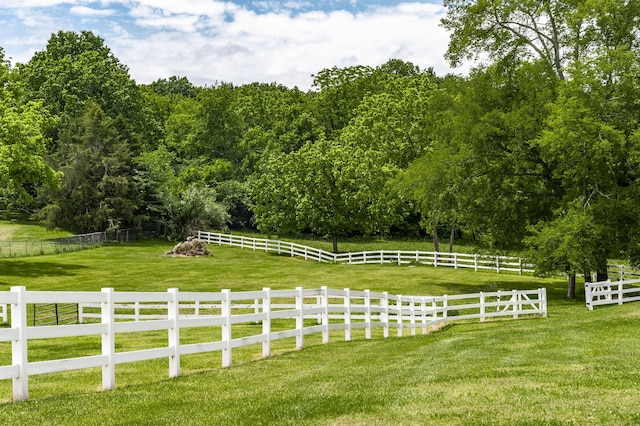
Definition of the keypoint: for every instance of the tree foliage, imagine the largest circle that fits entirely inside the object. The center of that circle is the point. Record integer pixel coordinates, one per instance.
(326, 188)
(98, 190)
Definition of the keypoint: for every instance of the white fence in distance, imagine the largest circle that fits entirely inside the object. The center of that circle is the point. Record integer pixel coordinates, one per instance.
(611, 293)
(399, 257)
(175, 313)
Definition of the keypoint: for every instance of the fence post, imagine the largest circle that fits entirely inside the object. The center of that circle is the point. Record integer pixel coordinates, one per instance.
(173, 314)
(399, 318)
(412, 310)
(542, 296)
(620, 292)
(19, 347)
(347, 315)
(445, 309)
(385, 314)
(423, 314)
(498, 264)
(300, 317)
(108, 340)
(482, 308)
(226, 327)
(587, 295)
(324, 298)
(136, 311)
(80, 313)
(475, 262)
(455, 260)
(516, 303)
(367, 314)
(266, 322)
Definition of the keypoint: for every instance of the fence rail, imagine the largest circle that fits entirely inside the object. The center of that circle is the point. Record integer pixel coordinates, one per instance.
(611, 293)
(175, 313)
(399, 257)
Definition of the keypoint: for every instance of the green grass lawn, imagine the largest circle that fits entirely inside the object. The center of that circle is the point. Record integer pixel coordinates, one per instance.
(575, 367)
(20, 228)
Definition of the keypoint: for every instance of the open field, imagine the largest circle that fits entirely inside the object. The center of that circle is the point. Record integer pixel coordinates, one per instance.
(575, 367)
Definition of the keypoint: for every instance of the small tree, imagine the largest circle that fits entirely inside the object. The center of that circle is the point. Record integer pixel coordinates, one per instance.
(196, 209)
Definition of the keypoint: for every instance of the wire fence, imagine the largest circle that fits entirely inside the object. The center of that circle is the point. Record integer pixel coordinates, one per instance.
(17, 248)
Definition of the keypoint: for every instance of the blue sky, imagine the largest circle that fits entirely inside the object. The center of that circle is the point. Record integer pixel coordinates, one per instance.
(240, 41)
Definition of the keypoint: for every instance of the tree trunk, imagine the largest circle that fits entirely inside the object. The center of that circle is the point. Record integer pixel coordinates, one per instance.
(587, 276)
(451, 237)
(571, 287)
(436, 241)
(334, 237)
(602, 275)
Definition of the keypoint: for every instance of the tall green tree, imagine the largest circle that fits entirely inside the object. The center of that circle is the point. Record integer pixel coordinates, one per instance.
(556, 32)
(22, 146)
(98, 190)
(327, 189)
(77, 68)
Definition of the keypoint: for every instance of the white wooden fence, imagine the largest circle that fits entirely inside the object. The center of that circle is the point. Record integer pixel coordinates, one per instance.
(177, 312)
(611, 293)
(399, 257)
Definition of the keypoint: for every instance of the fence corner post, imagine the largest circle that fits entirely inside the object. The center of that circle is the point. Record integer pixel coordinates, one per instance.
(19, 347)
(173, 314)
(108, 340)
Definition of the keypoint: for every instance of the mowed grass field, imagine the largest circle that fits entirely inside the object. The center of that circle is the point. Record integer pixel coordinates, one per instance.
(575, 367)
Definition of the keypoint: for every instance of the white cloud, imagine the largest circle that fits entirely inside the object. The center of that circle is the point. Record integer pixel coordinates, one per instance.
(209, 41)
(24, 4)
(89, 12)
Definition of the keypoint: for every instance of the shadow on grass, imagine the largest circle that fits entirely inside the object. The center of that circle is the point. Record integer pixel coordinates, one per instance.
(37, 269)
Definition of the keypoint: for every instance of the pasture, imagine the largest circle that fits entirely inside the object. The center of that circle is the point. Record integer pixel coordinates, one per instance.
(574, 367)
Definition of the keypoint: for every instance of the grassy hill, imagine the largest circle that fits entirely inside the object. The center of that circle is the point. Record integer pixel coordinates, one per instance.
(574, 367)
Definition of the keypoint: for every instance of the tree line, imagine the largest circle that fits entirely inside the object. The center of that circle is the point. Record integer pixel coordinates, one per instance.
(537, 148)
